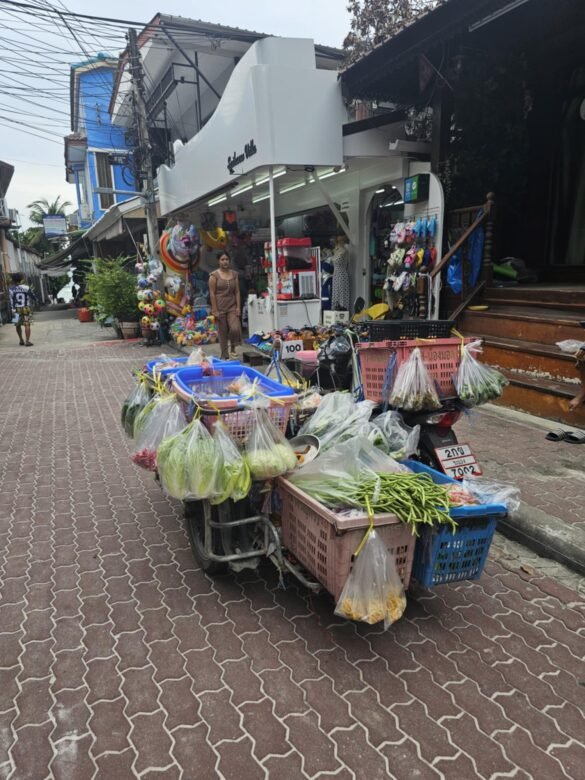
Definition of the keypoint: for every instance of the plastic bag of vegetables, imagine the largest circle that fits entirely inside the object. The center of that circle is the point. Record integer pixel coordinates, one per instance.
(477, 383)
(268, 453)
(414, 389)
(161, 418)
(134, 404)
(389, 433)
(203, 462)
(338, 418)
(234, 480)
(171, 457)
(373, 590)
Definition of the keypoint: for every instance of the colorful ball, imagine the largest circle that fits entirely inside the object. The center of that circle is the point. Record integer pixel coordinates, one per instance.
(148, 309)
(141, 305)
(147, 295)
(145, 322)
(140, 295)
(155, 325)
(142, 283)
(159, 305)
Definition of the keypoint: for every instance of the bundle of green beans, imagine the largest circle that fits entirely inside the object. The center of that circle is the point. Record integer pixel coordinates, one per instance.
(413, 498)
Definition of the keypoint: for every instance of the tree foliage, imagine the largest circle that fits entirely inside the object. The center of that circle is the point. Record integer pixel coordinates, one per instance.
(374, 21)
(111, 290)
(34, 237)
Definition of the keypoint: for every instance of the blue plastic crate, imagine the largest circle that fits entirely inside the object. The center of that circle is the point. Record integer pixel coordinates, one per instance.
(165, 373)
(190, 382)
(442, 556)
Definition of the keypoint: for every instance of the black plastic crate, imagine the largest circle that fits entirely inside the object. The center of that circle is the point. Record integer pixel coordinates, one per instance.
(398, 330)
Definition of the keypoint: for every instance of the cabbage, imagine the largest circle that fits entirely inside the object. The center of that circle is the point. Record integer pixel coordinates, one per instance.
(203, 462)
(273, 462)
(171, 458)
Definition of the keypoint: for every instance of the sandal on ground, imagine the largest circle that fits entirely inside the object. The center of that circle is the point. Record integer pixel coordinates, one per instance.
(557, 435)
(575, 437)
(29, 344)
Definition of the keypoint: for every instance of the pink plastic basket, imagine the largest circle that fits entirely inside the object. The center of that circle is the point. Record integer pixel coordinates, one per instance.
(324, 543)
(441, 358)
(240, 423)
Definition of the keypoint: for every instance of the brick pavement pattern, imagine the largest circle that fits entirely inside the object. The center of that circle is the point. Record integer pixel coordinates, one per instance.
(120, 659)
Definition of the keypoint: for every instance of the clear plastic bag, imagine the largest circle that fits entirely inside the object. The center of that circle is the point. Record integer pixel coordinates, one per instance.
(234, 480)
(268, 453)
(413, 389)
(171, 464)
(389, 433)
(161, 418)
(373, 590)
(571, 346)
(133, 405)
(337, 419)
(477, 383)
(203, 462)
(489, 491)
(197, 357)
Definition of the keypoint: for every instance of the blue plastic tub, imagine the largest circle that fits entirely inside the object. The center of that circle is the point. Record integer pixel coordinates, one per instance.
(189, 382)
(164, 373)
(442, 556)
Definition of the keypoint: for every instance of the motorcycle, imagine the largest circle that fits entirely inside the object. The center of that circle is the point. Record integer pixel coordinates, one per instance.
(439, 447)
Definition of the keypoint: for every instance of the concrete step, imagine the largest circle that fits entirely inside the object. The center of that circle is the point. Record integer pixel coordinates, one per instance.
(539, 359)
(542, 397)
(527, 323)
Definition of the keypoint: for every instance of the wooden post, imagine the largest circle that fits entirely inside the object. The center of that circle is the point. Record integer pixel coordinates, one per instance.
(487, 266)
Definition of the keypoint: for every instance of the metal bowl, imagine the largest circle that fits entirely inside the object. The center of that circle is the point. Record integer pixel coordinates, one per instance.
(307, 445)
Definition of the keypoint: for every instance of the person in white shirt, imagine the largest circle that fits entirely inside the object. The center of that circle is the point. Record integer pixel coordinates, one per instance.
(22, 299)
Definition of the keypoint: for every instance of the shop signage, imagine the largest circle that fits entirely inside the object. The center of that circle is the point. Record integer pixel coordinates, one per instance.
(237, 159)
(416, 188)
(290, 348)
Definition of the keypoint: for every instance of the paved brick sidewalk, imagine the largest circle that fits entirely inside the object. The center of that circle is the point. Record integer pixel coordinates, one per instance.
(119, 658)
(512, 446)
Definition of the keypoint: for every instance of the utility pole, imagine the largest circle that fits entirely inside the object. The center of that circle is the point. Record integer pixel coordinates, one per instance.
(144, 147)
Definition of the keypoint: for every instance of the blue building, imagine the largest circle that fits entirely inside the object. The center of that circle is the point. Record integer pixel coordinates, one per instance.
(96, 152)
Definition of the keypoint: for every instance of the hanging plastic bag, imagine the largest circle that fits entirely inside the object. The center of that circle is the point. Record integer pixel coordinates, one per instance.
(571, 346)
(413, 389)
(162, 418)
(268, 453)
(134, 404)
(389, 433)
(373, 590)
(203, 462)
(489, 491)
(477, 383)
(234, 480)
(171, 464)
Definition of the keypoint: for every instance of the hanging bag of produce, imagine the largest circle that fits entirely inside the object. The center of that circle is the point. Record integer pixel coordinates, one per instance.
(234, 480)
(161, 418)
(477, 383)
(373, 590)
(134, 404)
(339, 418)
(268, 453)
(203, 462)
(389, 433)
(414, 389)
(171, 458)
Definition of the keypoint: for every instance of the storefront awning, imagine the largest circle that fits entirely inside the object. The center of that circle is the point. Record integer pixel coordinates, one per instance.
(277, 109)
(65, 258)
(111, 224)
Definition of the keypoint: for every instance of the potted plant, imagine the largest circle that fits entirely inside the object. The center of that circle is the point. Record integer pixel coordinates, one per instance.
(111, 293)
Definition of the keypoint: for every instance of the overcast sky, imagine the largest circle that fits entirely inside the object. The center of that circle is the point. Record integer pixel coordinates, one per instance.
(27, 45)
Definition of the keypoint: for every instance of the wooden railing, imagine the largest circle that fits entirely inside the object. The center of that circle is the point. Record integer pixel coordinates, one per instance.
(468, 220)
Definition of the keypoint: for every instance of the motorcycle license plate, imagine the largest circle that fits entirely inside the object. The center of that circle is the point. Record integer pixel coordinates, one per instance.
(458, 461)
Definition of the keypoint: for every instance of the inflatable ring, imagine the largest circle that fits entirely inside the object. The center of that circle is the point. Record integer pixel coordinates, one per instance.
(167, 257)
(215, 239)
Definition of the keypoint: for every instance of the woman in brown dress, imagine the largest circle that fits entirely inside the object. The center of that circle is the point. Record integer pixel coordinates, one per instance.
(224, 291)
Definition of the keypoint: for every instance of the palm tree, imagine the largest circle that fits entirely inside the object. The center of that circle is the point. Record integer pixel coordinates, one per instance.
(35, 236)
(42, 206)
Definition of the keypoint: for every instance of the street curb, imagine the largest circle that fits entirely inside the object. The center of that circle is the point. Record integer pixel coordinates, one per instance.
(546, 535)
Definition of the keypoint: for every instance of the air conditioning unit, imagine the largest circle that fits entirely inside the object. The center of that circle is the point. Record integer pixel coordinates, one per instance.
(4, 215)
(13, 216)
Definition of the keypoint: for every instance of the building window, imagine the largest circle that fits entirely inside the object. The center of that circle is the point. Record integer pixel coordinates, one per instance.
(105, 179)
